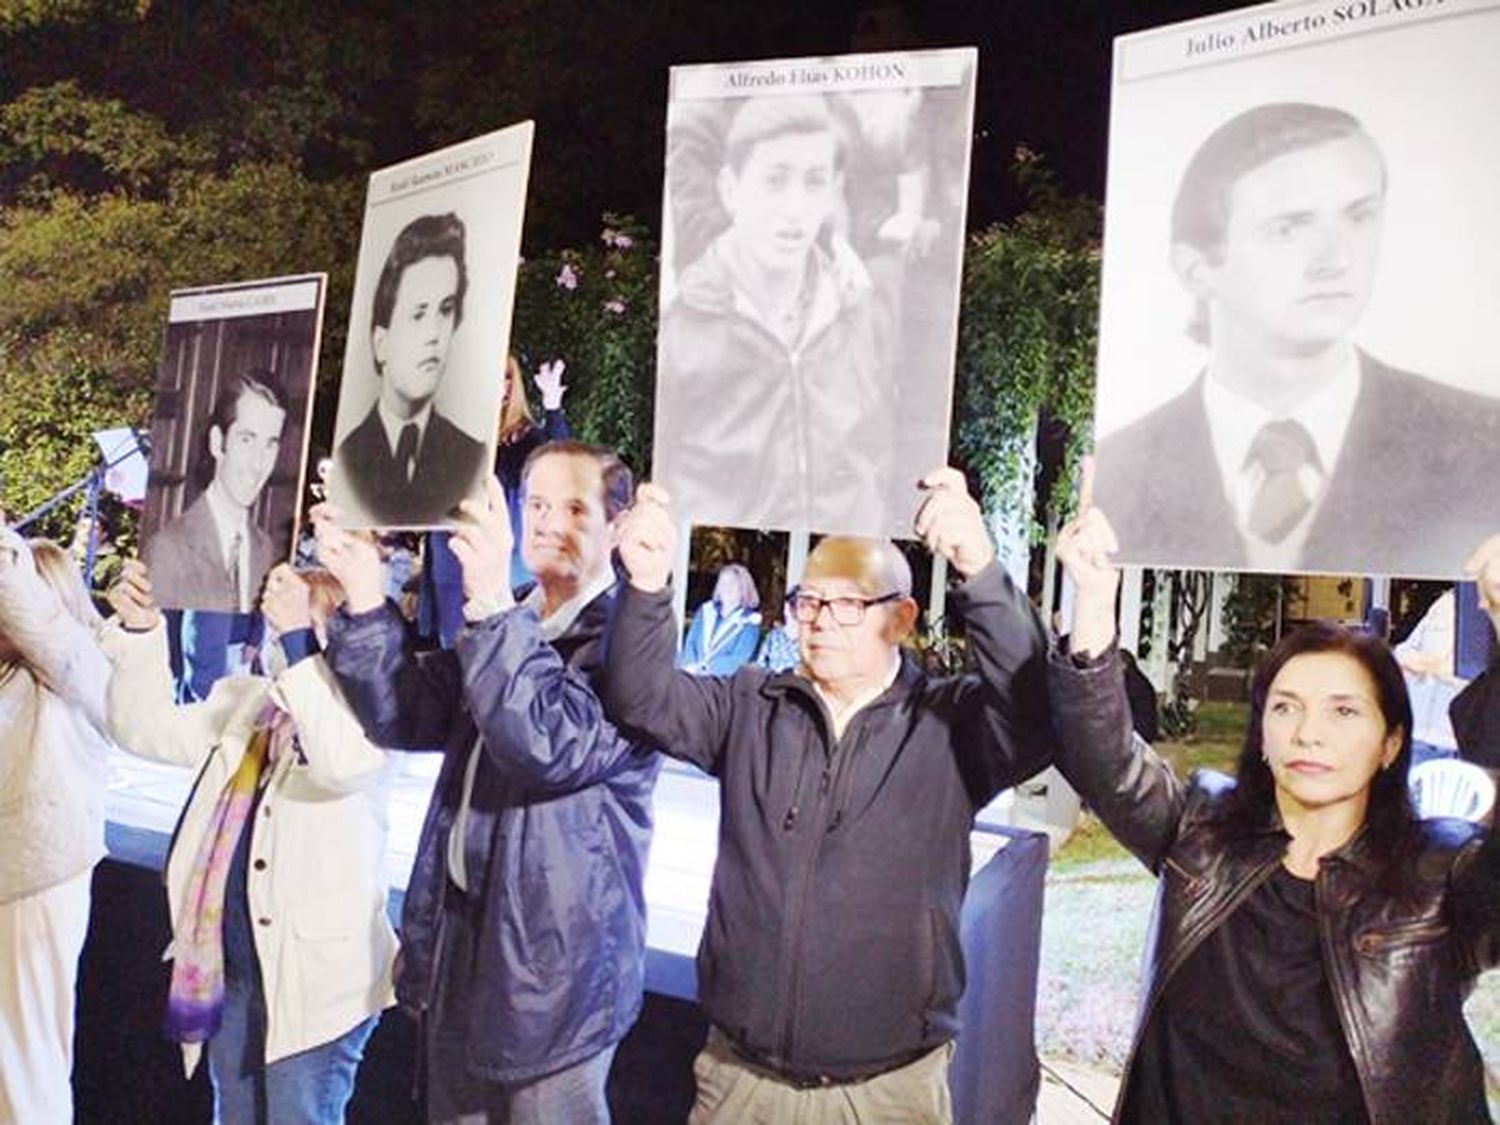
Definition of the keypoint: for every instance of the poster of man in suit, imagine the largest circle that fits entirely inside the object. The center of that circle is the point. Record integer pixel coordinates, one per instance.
(1299, 361)
(232, 407)
(428, 332)
(813, 222)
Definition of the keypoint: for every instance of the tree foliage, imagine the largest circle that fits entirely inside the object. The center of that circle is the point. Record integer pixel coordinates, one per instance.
(594, 307)
(1026, 342)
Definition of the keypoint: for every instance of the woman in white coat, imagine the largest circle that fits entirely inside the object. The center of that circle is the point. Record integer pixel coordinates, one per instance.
(282, 949)
(52, 774)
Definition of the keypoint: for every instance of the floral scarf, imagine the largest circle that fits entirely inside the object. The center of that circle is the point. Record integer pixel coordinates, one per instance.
(195, 1000)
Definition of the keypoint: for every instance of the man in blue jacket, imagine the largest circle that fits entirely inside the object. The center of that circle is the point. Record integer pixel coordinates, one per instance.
(830, 965)
(523, 932)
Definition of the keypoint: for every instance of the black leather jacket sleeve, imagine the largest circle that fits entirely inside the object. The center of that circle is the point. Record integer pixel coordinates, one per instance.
(1004, 703)
(1135, 793)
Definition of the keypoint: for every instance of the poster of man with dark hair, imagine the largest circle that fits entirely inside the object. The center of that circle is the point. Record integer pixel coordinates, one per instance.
(428, 332)
(233, 400)
(813, 226)
(1299, 361)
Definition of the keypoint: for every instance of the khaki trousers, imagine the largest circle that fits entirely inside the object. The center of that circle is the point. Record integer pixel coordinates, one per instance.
(734, 1091)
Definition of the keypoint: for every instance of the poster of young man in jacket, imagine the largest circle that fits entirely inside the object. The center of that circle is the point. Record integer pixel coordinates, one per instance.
(830, 967)
(524, 928)
(1297, 344)
(813, 223)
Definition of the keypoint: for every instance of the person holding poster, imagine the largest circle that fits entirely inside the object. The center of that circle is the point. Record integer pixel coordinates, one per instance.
(524, 927)
(830, 967)
(770, 356)
(1294, 449)
(215, 556)
(405, 462)
(1313, 942)
(282, 949)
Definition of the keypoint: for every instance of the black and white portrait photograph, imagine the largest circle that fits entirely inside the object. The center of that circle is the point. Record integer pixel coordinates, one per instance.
(813, 239)
(1299, 357)
(233, 399)
(428, 332)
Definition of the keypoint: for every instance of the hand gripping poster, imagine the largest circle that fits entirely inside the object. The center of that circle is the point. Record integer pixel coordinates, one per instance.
(1299, 353)
(813, 227)
(429, 329)
(228, 439)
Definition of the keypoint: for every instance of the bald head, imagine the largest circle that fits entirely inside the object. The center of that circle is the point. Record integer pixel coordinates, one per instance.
(875, 565)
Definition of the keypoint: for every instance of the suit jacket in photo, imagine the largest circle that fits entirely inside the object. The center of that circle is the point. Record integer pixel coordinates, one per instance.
(187, 565)
(1409, 494)
(449, 462)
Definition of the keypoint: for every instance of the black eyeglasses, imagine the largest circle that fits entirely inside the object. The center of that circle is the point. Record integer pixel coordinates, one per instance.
(845, 610)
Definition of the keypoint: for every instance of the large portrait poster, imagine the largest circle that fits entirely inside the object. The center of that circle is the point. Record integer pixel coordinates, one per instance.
(1299, 352)
(228, 438)
(429, 328)
(812, 244)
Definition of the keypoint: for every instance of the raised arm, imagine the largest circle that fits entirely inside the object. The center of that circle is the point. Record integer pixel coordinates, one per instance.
(60, 650)
(1013, 737)
(1129, 787)
(144, 717)
(338, 755)
(643, 691)
(540, 720)
(404, 700)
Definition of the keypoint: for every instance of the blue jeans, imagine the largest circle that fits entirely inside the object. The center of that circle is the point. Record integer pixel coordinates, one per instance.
(312, 1087)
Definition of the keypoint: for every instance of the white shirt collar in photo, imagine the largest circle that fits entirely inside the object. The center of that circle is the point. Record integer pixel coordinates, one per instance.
(231, 522)
(1233, 423)
(564, 615)
(393, 425)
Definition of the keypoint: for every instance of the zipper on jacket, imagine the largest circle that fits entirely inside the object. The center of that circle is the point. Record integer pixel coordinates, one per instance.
(792, 930)
(789, 821)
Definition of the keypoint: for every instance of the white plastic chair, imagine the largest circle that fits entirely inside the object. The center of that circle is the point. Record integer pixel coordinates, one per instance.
(1450, 787)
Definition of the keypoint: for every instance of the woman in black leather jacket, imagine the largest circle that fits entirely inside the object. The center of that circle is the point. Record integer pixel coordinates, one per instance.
(1313, 942)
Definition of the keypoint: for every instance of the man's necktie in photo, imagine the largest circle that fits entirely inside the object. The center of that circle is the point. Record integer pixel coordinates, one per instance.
(1282, 449)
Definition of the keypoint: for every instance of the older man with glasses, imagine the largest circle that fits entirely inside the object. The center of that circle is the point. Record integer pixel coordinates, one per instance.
(830, 966)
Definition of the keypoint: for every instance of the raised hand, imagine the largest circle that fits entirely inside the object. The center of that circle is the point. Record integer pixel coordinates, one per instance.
(353, 557)
(1084, 547)
(950, 523)
(130, 597)
(482, 543)
(286, 602)
(647, 539)
(549, 381)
